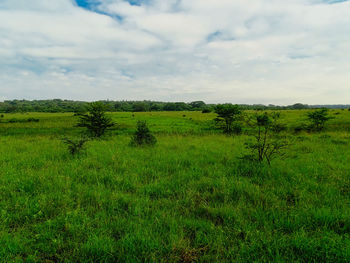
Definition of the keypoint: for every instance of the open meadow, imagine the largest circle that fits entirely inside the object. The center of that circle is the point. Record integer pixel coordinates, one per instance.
(189, 198)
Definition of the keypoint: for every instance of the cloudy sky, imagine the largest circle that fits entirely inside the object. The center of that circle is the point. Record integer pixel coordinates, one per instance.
(239, 51)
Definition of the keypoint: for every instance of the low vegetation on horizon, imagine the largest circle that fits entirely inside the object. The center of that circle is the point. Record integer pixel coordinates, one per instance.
(59, 105)
(220, 184)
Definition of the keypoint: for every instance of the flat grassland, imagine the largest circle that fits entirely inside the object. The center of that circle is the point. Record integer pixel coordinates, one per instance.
(187, 199)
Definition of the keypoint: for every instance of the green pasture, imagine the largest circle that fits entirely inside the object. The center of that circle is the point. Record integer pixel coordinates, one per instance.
(190, 198)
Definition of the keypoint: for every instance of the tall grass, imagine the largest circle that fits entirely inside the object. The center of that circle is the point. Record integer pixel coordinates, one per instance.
(187, 199)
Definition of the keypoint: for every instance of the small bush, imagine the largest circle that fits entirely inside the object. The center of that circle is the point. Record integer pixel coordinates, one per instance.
(75, 146)
(318, 118)
(32, 120)
(96, 121)
(267, 144)
(228, 115)
(206, 110)
(301, 127)
(14, 120)
(143, 135)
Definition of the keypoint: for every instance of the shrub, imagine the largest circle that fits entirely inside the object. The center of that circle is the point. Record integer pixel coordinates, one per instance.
(318, 118)
(301, 127)
(228, 114)
(143, 135)
(206, 110)
(32, 120)
(267, 143)
(95, 120)
(75, 146)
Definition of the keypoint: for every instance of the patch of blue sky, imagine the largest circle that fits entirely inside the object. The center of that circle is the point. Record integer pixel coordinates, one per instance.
(92, 5)
(85, 3)
(334, 1)
(219, 36)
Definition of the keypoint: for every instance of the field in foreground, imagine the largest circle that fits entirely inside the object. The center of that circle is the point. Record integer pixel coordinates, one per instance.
(188, 199)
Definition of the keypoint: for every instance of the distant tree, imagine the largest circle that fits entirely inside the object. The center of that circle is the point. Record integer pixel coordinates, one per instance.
(143, 135)
(140, 106)
(228, 114)
(299, 106)
(169, 106)
(95, 120)
(155, 107)
(197, 105)
(318, 118)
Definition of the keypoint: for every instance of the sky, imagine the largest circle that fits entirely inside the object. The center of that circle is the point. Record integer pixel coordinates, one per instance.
(237, 51)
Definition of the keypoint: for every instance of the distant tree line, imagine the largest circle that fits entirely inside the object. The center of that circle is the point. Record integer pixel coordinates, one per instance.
(58, 105)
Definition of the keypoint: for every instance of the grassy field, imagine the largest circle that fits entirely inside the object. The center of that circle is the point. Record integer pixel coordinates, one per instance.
(188, 199)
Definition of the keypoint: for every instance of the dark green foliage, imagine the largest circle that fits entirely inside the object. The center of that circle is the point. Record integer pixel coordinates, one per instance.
(75, 146)
(318, 118)
(140, 106)
(228, 114)
(237, 128)
(143, 135)
(301, 127)
(197, 105)
(32, 120)
(267, 143)
(95, 120)
(14, 120)
(58, 105)
(299, 106)
(206, 110)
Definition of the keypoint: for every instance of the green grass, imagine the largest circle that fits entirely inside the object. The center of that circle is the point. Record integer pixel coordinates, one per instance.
(188, 199)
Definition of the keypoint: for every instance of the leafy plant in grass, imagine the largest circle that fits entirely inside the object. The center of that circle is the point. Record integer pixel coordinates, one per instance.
(228, 118)
(143, 135)
(318, 118)
(268, 143)
(75, 146)
(95, 120)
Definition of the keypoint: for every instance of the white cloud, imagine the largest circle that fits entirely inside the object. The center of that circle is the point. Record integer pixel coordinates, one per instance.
(257, 51)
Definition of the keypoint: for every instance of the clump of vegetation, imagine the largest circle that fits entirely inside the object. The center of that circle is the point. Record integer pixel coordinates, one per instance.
(206, 110)
(14, 120)
(75, 146)
(318, 118)
(32, 120)
(228, 117)
(95, 120)
(267, 144)
(143, 135)
(301, 127)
